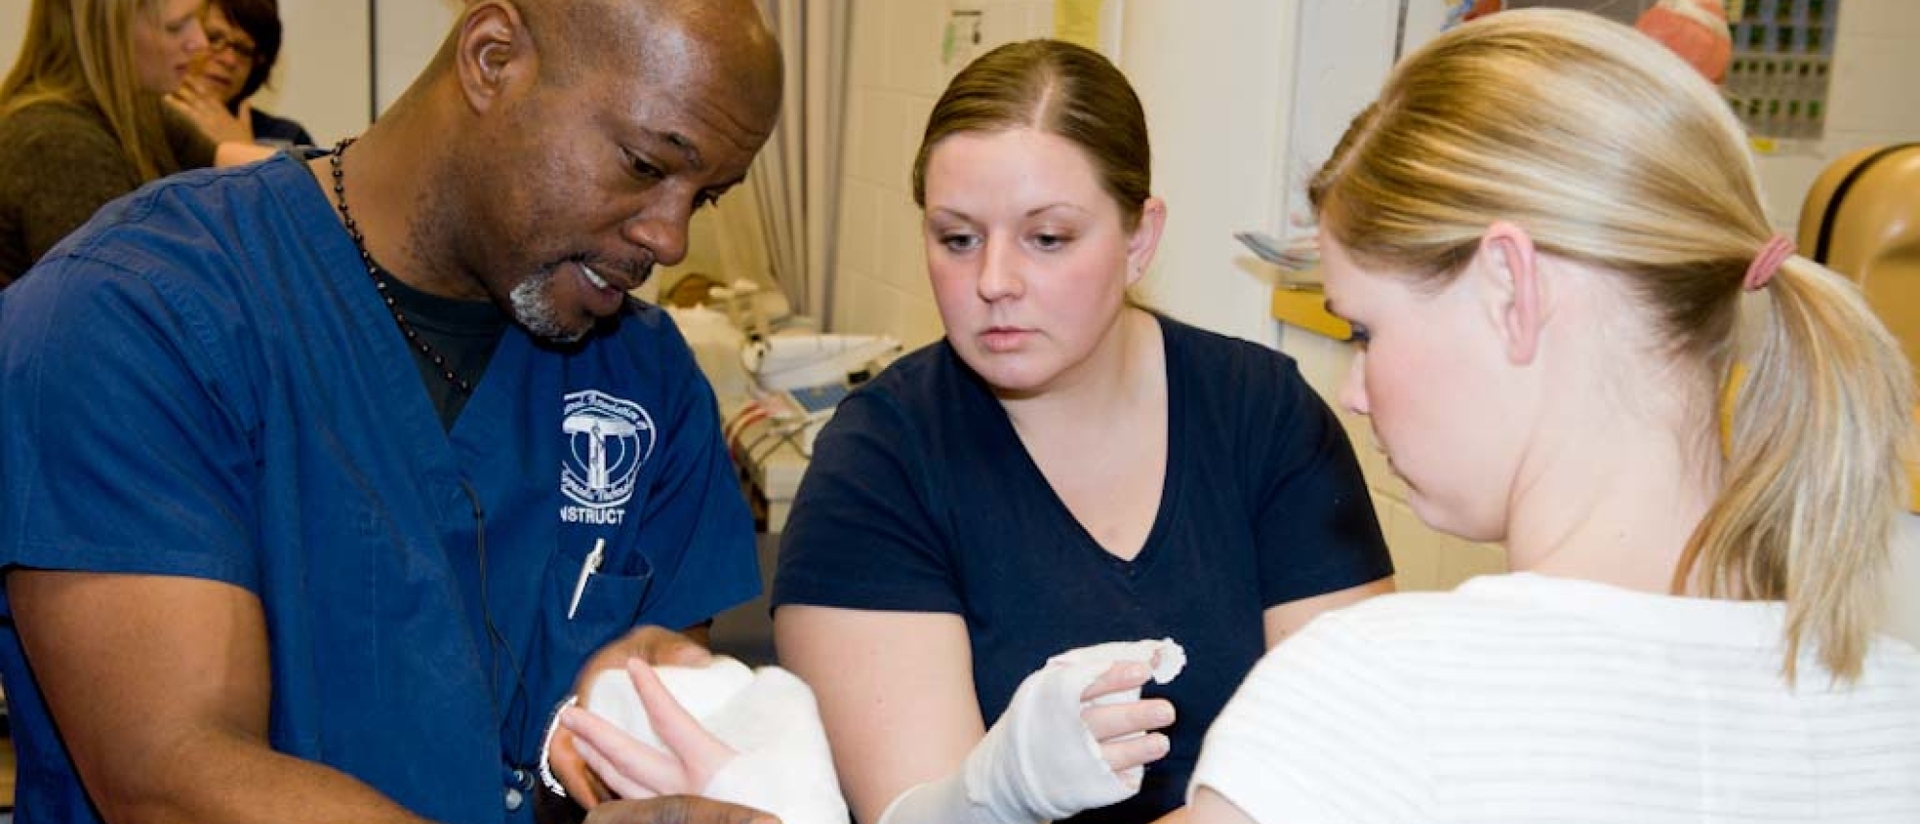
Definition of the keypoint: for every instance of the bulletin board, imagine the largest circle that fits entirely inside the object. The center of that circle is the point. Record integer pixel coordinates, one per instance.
(1782, 69)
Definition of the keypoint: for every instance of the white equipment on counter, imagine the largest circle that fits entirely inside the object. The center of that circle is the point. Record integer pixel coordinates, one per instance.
(788, 362)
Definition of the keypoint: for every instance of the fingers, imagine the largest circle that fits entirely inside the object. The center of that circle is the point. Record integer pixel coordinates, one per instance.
(629, 768)
(1122, 676)
(572, 771)
(1119, 724)
(700, 750)
(1116, 720)
(1125, 754)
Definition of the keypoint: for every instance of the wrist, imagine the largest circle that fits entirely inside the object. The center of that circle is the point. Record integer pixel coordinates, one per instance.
(546, 744)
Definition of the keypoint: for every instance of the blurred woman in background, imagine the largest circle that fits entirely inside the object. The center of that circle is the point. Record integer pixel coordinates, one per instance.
(243, 45)
(82, 117)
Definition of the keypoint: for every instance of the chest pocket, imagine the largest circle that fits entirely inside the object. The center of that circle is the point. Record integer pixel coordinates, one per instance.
(587, 602)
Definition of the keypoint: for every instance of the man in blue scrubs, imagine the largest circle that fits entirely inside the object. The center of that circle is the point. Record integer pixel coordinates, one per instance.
(253, 571)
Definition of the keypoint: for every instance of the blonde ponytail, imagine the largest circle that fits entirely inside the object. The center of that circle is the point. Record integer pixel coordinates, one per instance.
(1814, 480)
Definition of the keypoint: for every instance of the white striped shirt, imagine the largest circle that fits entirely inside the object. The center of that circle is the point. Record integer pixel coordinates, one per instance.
(1523, 698)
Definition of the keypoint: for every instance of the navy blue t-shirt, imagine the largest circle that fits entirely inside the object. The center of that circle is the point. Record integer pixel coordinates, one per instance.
(921, 498)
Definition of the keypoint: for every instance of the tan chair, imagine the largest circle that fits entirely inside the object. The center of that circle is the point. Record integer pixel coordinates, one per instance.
(1862, 218)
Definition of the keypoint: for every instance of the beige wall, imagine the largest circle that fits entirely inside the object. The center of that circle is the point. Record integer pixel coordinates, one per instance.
(1214, 87)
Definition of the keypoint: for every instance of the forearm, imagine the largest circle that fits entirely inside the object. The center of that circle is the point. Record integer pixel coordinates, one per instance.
(225, 778)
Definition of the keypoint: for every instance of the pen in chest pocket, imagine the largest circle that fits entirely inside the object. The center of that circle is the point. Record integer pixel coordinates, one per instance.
(588, 568)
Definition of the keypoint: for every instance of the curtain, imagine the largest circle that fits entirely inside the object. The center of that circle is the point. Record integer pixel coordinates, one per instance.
(794, 184)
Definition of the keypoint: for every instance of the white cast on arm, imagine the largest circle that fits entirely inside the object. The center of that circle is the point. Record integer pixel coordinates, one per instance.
(1039, 762)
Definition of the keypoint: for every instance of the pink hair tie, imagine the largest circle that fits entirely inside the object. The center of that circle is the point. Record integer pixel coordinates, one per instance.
(1760, 271)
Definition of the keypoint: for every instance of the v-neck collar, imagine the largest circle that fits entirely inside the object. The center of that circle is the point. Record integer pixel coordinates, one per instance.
(1036, 480)
(435, 448)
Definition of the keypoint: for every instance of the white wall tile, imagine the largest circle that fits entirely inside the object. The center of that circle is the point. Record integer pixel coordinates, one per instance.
(864, 138)
(1878, 17)
(896, 126)
(904, 256)
(859, 241)
(922, 323)
(1865, 96)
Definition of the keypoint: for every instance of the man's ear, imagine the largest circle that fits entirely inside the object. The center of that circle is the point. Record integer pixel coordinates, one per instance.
(491, 49)
(1516, 301)
(1145, 238)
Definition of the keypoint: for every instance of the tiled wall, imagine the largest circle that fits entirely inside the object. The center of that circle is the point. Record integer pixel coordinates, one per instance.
(899, 67)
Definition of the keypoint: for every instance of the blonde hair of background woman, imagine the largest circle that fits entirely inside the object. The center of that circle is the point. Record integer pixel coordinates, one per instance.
(81, 52)
(1609, 150)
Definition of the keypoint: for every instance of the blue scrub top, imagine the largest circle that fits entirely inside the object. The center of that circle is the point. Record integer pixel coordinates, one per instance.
(203, 382)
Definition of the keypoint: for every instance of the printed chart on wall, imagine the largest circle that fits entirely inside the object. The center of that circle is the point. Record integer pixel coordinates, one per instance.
(1782, 69)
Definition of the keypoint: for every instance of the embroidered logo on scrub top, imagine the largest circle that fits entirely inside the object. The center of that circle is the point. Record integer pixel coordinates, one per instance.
(608, 440)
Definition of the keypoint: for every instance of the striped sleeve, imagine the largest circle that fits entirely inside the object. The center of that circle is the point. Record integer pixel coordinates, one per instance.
(1321, 730)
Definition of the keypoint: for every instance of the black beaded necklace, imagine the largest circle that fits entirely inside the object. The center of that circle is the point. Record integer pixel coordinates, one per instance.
(380, 276)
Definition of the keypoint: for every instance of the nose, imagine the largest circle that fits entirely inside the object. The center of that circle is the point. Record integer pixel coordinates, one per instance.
(662, 229)
(1353, 393)
(1000, 272)
(196, 37)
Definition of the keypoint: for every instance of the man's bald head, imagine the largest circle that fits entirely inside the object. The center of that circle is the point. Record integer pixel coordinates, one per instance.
(553, 137)
(723, 42)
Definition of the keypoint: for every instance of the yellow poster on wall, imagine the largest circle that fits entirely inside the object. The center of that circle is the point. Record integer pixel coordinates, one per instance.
(1078, 22)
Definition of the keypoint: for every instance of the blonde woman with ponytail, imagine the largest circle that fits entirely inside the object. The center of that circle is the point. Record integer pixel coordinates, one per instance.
(1548, 237)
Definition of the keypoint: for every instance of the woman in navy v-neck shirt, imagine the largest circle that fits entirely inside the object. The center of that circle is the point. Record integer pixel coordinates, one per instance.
(1065, 468)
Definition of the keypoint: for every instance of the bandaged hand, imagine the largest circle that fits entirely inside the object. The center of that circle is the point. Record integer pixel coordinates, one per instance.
(669, 752)
(720, 731)
(561, 767)
(1075, 737)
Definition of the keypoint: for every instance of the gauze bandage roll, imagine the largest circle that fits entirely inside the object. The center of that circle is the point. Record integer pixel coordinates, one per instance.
(768, 716)
(1039, 762)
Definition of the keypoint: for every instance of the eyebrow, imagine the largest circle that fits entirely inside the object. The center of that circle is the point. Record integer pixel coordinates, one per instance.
(686, 147)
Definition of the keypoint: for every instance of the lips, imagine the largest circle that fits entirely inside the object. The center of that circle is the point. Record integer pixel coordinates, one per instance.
(999, 339)
(603, 297)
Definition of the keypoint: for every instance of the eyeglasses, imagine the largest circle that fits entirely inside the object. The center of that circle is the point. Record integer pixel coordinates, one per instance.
(240, 48)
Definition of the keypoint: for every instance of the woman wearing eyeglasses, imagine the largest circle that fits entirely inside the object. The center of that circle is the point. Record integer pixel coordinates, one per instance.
(82, 119)
(243, 42)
